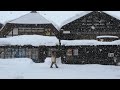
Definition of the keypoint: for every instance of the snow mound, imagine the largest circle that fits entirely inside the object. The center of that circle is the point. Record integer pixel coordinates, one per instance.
(16, 61)
(48, 60)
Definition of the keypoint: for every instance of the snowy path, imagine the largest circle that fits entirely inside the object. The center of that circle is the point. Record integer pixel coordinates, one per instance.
(29, 70)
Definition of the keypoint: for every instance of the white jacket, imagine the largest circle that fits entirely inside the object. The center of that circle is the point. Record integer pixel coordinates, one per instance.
(53, 59)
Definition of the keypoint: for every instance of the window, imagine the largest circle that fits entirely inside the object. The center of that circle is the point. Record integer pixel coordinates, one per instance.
(35, 53)
(18, 52)
(28, 30)
(2, 52)
(101, 40)
(31, 31)
(50, 51)
(15, 31)
(21, 31)
(47, 32)
(40, 30)
(110, 54)
(34, 31)
(8, 52)
(29, 52)
(69, 52)
(75, 52)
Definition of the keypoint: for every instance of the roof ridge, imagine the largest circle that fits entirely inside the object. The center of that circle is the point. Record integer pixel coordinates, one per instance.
(78, 15)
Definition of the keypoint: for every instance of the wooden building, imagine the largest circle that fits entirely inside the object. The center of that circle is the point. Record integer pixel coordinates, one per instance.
(90, 52)
(36, 47)
(89, 25)
(30, 24)
(30, 36)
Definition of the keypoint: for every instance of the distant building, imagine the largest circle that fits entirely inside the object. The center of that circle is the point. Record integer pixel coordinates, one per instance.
(30, 24)
(1, 25)
(89, 25)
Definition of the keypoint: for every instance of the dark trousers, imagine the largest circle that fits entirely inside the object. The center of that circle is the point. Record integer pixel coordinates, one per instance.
(52, 65)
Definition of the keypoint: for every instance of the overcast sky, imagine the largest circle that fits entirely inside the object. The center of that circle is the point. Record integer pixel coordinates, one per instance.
(57, 16)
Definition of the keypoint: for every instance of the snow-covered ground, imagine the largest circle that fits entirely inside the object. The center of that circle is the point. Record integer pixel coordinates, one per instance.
(24, 68)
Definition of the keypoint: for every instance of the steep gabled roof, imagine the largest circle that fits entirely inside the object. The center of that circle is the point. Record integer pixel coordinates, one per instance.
(113, 14)
(31, 18)
(81, 14)
(75, 17)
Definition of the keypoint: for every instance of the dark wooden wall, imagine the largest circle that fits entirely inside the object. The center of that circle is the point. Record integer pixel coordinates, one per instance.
(9, 27)
(101, 54)
(91, 25)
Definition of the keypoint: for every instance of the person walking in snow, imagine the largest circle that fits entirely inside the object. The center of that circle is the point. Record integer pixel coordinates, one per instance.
(53, 59)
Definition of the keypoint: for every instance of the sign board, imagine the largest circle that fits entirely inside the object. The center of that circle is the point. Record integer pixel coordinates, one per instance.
(66, 32)
(110, 54)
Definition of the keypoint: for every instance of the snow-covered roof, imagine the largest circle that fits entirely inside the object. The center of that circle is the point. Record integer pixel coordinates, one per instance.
(81, 14)
(31, 18)
(107, 36)
(113, 13)
(38, 40)
(34, 40)
(78, 42)
(75, 17)
(55, 25)
(87, 42)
